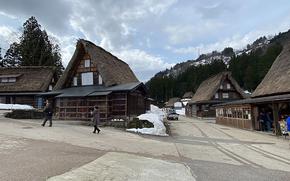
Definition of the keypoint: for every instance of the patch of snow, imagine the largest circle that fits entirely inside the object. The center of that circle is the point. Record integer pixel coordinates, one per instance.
(15, 106)
(184, 102)
(155, 116)
(247, 92)
(178, 104)
(181, 112)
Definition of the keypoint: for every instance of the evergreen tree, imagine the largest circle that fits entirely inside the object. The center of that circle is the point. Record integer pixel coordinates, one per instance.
(12, 57)
(36, 48)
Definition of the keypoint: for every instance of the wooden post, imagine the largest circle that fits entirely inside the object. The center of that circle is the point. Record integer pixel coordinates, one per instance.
(276, 119)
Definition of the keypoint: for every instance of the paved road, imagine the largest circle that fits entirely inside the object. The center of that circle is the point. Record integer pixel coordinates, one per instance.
(197, 150)
(216, 152)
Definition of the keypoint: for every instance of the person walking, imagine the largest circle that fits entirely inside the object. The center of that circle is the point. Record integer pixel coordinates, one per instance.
(47, 114)
(96, 119)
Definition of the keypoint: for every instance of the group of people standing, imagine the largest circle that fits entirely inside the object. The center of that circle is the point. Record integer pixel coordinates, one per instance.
(48, 112)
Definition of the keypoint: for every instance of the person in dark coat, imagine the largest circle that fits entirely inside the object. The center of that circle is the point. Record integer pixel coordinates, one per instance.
(47, 114)
(96, 119)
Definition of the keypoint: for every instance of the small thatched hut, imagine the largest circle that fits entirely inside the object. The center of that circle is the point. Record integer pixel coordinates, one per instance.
(271, 96)
(170, 103)
(188, 95)
(20, 85)
(215, 90)
(96, 77)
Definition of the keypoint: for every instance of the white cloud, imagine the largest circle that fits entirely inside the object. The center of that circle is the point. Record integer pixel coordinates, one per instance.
(143, 64)
(8, 35)
(7, 15)
(138, 30)
(182, 33)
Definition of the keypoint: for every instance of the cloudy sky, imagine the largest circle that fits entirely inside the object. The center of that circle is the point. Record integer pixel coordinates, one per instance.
(150, 35)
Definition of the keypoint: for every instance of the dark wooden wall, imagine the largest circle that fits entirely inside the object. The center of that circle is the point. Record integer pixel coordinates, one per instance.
(233, 93)
(117, 105)
(136, 104)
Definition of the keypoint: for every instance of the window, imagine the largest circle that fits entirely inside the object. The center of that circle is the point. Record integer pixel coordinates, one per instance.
(4, 80)
(221, 87)
(87, 78)
(75, 82)
(225, 95)
(50, 87)
(216, 95)
(228, 86)
(100, 80)
(87, 63)
(12, 79)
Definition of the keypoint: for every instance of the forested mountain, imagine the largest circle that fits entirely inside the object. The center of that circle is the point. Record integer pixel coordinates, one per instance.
(248, 67)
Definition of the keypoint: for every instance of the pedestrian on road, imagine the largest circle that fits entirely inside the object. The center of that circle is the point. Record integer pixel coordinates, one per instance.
(96, 119)
(269, 120)
(47, 114)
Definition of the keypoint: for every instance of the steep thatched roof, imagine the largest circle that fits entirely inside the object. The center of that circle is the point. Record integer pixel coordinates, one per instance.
(188, 95)
(171, 102)
(28, 78)
(113, 70)
(277, 79)
(208, 88)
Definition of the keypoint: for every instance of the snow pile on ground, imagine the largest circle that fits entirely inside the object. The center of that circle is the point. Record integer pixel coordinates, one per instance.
(155, 116)
(156, 110)
(15, 106)
(181, 112)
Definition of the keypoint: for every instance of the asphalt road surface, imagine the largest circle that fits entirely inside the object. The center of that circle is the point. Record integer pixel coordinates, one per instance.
(197, 150)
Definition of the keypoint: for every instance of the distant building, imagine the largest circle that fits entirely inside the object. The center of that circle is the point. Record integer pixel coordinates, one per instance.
(176, 104)
(186, 97)
(173, 102)
(95, 77)
(21, 85)
(217, 89)
(271, 96)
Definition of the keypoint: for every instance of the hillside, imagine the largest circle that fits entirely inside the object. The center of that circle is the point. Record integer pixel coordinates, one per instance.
(248, 67)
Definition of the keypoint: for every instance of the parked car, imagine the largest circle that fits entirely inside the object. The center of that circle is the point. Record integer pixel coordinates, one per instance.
(172, 116)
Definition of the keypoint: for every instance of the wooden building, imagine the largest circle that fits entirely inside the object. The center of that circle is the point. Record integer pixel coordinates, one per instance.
(188, 95)
(96, 77)
(215, 90)
(170, 103)
(21, 85)
(271, 95)
(185, 99)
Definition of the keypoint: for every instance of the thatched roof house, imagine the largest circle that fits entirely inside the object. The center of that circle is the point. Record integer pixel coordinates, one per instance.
(216, 89)
(21, 84)
(171, 101)
(187, 95)
(207, 89)
(113, 70)
(25, 79)
(271, 95)
(95, 77)
(277, 79)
